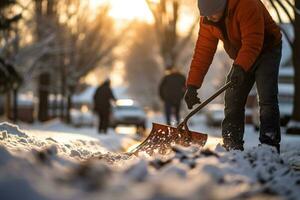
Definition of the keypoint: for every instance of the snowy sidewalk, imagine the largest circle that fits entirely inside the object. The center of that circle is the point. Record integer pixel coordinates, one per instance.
(47, 164)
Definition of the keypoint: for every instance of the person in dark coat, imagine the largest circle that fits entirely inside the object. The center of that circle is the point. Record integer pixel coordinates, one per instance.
(171, 91)
(102, 105)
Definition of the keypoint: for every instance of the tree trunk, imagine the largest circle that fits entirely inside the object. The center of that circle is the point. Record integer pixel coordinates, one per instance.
(43, 97)
(8, 105)
(15, 106)
(70, 93)
(69, 106)
(62, 90)
(44, 78)
(294, 127)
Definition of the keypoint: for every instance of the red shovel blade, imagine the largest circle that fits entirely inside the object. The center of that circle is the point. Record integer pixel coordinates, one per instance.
(163, 137)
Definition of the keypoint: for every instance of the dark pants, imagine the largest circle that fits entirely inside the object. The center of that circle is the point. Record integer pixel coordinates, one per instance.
(103, 121)
(171, 110)
(265, 74)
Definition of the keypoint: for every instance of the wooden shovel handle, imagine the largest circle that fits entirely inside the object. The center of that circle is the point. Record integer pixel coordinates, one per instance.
(203, 104)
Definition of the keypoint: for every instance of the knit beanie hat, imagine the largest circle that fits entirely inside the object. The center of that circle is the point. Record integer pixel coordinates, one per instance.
(211, 7)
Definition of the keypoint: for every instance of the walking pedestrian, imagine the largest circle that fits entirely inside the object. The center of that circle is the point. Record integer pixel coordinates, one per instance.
(102, 105)
(171, 91)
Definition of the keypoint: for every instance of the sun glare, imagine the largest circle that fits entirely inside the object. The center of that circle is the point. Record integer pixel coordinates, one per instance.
(126, 9)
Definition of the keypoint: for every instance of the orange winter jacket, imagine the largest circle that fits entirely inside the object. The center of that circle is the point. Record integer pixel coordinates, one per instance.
(249, 30)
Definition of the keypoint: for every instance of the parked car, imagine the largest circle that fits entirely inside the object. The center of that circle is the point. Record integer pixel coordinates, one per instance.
(128, 112)
(214, 114)
(285, 97)
(82, 117)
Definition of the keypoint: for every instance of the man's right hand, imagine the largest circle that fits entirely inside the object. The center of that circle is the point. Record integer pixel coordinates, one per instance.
(237, 75)
(190, 97)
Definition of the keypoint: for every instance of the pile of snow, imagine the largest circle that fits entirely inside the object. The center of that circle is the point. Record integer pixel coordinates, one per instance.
(35, 168)
(72, 146)
(61, 132)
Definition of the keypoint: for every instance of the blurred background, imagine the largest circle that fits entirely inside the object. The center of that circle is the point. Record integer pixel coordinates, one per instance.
(54, 54)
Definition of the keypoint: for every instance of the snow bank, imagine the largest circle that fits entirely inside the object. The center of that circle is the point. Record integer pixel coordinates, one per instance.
(6, 127)
(17, 140)
(61, 132)
(35, 168)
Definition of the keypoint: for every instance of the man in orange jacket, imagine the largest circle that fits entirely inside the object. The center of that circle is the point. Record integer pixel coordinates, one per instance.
(253, 40)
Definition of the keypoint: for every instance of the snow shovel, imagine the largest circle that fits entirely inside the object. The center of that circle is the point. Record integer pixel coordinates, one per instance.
(163, 137)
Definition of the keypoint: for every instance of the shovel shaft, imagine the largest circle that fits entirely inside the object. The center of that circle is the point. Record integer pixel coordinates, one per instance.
(203, 104)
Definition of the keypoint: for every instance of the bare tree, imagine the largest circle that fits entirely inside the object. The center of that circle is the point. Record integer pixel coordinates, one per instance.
(68, 42)
(46, 19)
(294, 18)
(88, 44)
(142, 69)
(9, 45)
(166, 15)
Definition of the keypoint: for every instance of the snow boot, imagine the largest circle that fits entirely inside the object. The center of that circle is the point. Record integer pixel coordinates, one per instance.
(230, 144)
(269, 139)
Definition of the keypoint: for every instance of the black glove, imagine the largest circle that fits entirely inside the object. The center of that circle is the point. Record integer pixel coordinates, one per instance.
(190, 97)
(237, 75)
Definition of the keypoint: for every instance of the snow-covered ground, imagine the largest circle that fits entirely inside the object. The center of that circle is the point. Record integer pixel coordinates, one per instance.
(56, 161)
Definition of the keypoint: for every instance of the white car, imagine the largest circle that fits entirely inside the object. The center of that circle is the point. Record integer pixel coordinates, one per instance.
(128, 112)
(82, 117)
(214, 114)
